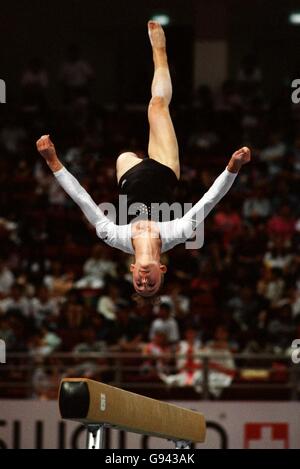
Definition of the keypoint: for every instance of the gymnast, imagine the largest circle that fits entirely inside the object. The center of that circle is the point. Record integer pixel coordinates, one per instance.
(146, 182)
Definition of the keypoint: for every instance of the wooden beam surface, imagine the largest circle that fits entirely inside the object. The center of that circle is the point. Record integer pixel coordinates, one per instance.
(89, 401)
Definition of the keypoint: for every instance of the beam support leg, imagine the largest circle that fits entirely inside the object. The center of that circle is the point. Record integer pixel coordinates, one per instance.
(181, 444)
(95, 437)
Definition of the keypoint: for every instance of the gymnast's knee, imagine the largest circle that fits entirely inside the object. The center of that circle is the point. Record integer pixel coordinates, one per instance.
(158, 103)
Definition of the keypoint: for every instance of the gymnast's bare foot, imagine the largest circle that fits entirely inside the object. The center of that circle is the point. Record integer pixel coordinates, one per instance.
(156, 35)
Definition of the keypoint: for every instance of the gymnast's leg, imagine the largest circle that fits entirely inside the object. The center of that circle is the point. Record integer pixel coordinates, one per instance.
(163, 145)
(125, 162)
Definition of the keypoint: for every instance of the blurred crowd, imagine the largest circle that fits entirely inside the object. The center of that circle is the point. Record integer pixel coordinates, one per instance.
(62, 290)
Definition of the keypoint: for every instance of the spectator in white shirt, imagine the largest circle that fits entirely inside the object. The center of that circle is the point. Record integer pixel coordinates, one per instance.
(6, 278)
(257, 206)
(107, 303)
(96, 268)
(16, 302)
(43, 306)
(166, 324)
(45, 342)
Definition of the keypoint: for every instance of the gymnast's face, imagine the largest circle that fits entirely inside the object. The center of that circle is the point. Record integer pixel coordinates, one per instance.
(147, 277)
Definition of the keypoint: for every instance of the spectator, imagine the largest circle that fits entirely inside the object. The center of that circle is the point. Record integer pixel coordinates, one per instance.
(258, 206)
(96, 268)
(129, 328)
(271, 285)
(281, 328)
(294, 299)
(43, 307)
(76, 74)
(249, 75)
(34, 83)
(44, 342)
(90, 366)
(103, 328)
(16, 302)
(6, 278)
(108, 301)
(278, 256)
(156, 355)
(71, 321)
(246, 307)
(221, 368)
(188, 364)
(274, 152)
(230, 99)
(12, 135)
(177, 299)
(7, 333)
(90, 344)
(228, 222)
(249, 248)
(165, 324)
(58, 281)
(283, 224)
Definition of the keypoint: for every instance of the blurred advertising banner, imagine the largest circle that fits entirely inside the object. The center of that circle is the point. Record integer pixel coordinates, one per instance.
(267, 425)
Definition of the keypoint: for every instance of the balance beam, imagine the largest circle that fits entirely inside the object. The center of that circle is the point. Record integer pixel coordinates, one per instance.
(99, 406)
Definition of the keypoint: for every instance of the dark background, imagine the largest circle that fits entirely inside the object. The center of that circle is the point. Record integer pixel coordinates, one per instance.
(112, 36)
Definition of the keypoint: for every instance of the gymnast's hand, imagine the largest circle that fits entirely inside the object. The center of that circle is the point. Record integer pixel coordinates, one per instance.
(238, 159)
(47, 149)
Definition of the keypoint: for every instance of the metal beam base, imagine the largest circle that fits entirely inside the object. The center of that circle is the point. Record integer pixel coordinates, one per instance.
(181, 444)
(95, 437)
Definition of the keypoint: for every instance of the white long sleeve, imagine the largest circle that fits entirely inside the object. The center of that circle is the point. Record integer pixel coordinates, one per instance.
(180, 230)
(79, 195)
(115, 236)
(211, 198)
(171, 233)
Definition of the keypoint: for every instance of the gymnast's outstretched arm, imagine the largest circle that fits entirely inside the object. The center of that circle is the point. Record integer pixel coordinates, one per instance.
(70, 184)
(197, 214)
